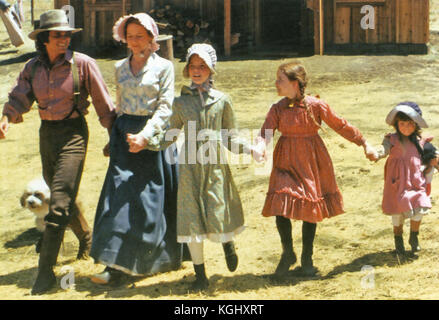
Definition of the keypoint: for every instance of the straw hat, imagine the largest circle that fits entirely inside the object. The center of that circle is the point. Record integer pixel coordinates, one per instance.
(53, 20)
(204, 51)
(411, 109)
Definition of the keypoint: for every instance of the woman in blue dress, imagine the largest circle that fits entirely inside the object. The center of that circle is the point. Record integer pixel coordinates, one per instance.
(135, 224)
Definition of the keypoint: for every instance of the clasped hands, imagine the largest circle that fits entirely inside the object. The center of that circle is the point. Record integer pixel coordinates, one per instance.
(370, 152)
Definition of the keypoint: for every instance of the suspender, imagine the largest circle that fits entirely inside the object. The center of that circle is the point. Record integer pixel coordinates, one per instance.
(76, 87)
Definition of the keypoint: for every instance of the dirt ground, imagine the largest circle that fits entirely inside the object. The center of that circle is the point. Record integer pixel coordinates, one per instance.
(362, 89)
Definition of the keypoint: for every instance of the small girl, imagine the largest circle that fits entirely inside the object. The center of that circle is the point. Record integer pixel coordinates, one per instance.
(405, 194)
(302, 182)
(209, 206)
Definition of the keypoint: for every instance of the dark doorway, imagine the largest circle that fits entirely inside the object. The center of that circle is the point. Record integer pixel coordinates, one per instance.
(286, 25)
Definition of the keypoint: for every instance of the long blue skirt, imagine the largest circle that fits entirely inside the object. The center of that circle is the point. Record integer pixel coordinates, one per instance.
(135, 224)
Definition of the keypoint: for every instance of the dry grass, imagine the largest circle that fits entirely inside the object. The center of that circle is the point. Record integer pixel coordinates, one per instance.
(360, 88)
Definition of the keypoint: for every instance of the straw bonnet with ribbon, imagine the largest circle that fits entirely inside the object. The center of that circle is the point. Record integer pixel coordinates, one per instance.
(119, 30)
(53, 20)
(411, 109)
(204, 51)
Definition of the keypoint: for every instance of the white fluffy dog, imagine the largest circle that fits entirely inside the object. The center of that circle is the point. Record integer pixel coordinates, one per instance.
(36, 198)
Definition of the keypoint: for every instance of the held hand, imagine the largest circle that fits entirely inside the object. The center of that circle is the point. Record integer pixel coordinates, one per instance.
(4, 126)
(136, 142)
(106, 150)
(258, 153)
(370, 152)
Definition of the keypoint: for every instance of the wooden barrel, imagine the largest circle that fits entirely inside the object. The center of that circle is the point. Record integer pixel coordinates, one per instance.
(166, 49)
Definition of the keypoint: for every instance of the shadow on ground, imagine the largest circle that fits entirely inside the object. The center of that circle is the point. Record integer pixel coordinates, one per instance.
(26, 238)
(219, 284)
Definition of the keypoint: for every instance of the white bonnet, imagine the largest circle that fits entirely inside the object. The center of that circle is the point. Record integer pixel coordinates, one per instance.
(204, 51)
(144, 19)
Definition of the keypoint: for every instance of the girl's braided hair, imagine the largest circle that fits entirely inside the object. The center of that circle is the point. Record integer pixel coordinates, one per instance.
(294, 70)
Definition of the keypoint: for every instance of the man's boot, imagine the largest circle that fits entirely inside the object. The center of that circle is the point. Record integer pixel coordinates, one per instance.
(80, 228)
(50, 245)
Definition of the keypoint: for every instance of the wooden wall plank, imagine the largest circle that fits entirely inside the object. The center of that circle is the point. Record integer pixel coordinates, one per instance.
(321, 26)
(58, 4)
(426, 18)
(420, 21)
(316, 27)
(342, 25)
(381, 21)
(417, 23)
(93, 28)
(358, 34)
(329, 21)
(360, 2)
(101, 27)
(227, 27)
(148, 5)
(404, 21)
(390, 24)
(258, 23)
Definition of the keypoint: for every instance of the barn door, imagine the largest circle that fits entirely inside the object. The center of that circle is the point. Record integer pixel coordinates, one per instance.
(281, 21)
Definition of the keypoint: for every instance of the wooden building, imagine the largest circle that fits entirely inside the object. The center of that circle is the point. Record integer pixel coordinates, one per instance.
(319, 26)
(399, 26)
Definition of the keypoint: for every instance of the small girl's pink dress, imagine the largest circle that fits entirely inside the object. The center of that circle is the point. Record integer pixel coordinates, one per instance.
(302, 182)
(404, 183)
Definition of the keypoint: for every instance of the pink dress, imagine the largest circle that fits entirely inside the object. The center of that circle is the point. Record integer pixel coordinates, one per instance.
(404, 182)
(302, 182)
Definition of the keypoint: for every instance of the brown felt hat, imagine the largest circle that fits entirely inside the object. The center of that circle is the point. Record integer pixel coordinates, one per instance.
(53, 20)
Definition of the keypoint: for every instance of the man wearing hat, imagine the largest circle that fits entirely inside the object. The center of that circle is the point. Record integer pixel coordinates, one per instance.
(60, 81)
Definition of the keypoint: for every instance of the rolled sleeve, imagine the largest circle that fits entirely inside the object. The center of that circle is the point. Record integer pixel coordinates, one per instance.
(20, 98)
(100, 96)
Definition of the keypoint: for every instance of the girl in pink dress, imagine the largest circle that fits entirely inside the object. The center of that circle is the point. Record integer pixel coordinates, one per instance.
(302, 182)
(405, 189)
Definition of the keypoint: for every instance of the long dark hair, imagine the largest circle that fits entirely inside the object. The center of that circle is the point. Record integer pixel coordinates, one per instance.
(401, 116)
(42, 38)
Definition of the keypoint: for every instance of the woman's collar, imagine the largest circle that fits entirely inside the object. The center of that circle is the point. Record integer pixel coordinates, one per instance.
(147, 65)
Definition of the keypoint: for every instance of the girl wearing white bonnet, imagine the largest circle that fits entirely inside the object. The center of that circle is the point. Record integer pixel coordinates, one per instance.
(204, 51)
(134, 232)
(209, 206)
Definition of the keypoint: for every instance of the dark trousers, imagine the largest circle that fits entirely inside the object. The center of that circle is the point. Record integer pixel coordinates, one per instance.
(63, 146)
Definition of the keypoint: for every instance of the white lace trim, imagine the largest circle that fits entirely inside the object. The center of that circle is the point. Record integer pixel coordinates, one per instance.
(416, 211)
(214, 237)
